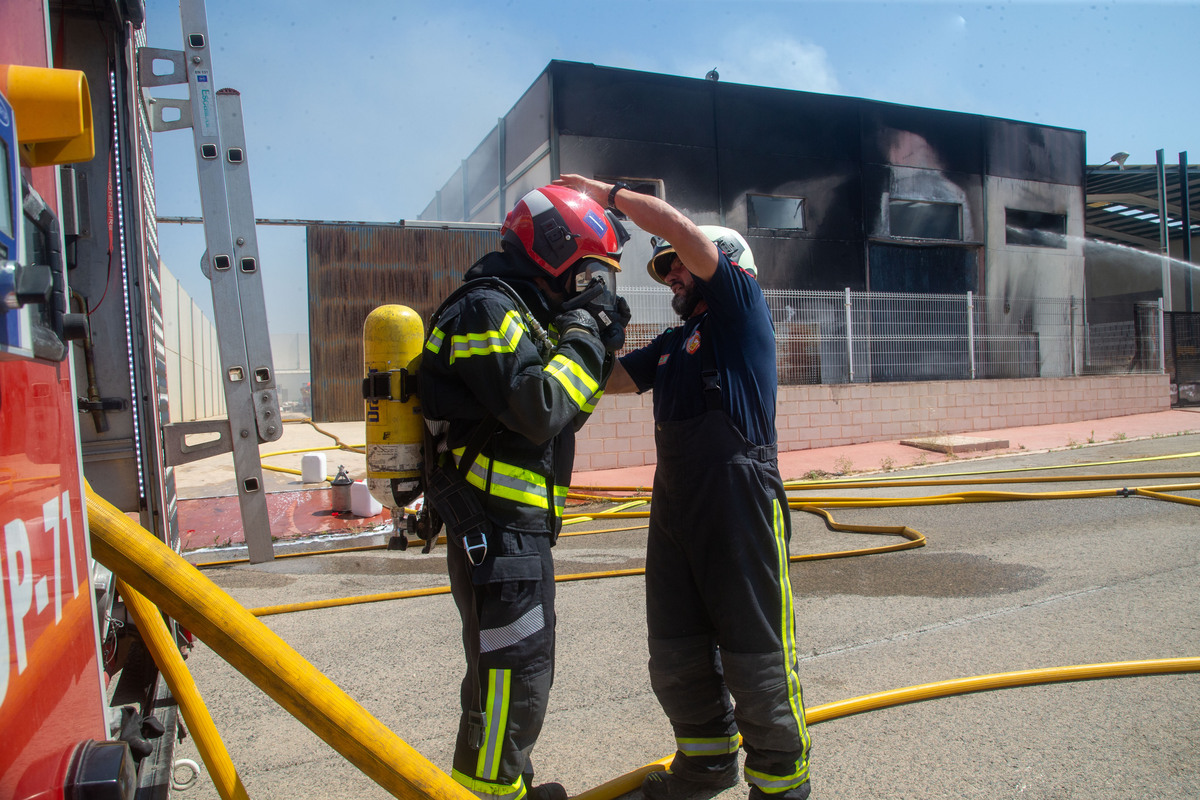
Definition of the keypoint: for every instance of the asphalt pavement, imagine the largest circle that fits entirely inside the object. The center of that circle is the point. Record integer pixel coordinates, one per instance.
(1024, 582)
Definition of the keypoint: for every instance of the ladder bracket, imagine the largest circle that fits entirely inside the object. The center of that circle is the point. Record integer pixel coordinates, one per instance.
(156, 107)
(177, 450)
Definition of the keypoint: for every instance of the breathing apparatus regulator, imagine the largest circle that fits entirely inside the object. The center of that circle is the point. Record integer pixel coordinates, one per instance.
(595, 293)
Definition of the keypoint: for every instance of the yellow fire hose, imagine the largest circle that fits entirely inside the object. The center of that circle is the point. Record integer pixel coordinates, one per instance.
(813, 505)
(441, 540)
(930, 691)
(166, 655)
(1000, 680)
(181, 591)
(819, 506)
(626, 783)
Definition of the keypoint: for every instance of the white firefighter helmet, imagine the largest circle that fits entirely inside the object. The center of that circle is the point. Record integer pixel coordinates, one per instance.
(730, 242)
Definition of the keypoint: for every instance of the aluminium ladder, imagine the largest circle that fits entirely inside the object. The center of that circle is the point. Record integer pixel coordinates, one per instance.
(231, 263)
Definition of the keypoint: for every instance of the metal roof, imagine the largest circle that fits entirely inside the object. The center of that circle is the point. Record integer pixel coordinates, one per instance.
(1123, 204)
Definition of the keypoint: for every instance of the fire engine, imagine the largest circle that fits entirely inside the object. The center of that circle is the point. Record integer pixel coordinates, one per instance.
(84, 712)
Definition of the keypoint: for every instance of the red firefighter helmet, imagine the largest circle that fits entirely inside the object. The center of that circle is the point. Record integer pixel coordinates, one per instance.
(556, 227)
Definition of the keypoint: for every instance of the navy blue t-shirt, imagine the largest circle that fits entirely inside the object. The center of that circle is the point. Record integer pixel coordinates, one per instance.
(739, 327)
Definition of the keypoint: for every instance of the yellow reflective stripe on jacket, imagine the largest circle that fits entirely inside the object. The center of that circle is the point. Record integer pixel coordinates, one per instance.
(465, 345)
(712, 746)
(513, 483)
(499, 683)
(574, 379)
(434, 343)
(590, 405)
(491, 791)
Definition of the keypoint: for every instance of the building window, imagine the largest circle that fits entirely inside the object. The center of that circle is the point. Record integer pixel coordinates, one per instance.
(920, 219)
(1035, 228)
(653, 188)
(775, 212)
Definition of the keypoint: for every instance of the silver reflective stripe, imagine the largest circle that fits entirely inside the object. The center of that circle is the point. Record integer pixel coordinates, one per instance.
(530, 623)
(579, 385)
(717, 745)
(503, 483)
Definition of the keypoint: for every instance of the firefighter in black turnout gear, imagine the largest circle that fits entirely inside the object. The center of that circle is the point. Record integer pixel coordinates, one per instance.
(514, 363)
(718, 594)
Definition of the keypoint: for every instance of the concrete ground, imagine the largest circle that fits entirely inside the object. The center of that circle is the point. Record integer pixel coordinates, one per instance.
(1030, 582)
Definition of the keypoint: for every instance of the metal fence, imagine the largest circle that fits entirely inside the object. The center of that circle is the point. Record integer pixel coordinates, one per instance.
(1182, 354)
(871, 337)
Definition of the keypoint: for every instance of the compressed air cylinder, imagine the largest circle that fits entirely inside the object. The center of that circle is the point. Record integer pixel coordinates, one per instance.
(392, 338)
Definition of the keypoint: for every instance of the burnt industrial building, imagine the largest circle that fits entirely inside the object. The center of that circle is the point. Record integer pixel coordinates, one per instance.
(832, 192)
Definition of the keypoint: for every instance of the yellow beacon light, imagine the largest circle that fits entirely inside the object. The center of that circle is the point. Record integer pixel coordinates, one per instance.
(53, 110)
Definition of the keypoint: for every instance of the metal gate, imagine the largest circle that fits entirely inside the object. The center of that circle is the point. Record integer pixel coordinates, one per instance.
(1182, 340)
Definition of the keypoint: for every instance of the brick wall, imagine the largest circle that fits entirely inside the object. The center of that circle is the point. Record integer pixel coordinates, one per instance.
(621, 432)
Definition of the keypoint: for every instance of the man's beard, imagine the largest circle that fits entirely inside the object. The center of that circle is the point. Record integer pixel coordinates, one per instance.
(685, 304)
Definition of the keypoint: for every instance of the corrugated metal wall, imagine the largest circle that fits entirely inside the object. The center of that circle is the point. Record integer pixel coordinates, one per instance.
(353, 269)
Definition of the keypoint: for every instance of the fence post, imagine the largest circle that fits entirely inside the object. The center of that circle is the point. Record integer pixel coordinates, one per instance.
(1162, 339)
(1074, 332)
(849, 337)
(971, 330)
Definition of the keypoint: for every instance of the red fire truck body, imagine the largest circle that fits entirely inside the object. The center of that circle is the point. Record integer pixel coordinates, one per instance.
(76, 719)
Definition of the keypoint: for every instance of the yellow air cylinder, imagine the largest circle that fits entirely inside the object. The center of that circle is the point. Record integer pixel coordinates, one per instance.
(393, 336)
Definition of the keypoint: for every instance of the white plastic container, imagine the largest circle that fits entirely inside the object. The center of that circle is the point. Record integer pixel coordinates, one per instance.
(312, 468)
(362, 502)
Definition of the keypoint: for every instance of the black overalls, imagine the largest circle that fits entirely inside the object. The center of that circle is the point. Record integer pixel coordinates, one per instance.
(718, 595)
(717, 577)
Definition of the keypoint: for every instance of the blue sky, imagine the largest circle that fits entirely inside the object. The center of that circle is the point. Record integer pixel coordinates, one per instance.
(362, 110)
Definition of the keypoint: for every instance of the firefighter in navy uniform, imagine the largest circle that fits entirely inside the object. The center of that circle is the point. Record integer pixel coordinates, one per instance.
(507, 375)
(718, 595)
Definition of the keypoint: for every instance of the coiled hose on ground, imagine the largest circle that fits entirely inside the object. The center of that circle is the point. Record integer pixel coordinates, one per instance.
(151, 568)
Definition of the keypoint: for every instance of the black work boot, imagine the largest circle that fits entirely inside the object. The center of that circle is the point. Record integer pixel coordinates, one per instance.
(800, 792)
(547, 791)
(668, 785)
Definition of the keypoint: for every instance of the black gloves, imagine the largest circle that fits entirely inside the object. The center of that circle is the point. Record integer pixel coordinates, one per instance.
(610, 312)
(612, 318)
(576, 318)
